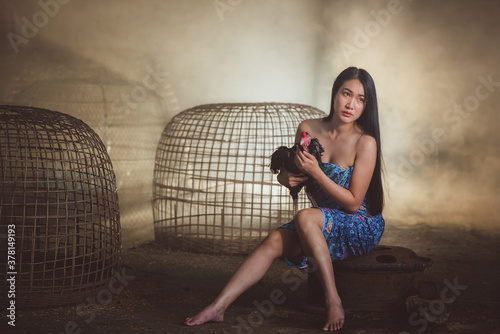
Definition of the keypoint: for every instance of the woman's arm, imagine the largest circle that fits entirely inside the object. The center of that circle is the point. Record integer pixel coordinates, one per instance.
(364, 165)
(291, 180)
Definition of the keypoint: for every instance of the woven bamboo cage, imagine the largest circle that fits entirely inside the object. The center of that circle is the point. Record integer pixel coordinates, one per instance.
(129, 119)
(213, 190)
(58, 208)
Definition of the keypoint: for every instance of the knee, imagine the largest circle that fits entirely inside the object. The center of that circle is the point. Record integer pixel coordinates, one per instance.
(304, 220)
(273, 242)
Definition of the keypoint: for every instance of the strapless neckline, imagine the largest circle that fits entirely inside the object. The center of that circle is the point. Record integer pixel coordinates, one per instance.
(331, 163)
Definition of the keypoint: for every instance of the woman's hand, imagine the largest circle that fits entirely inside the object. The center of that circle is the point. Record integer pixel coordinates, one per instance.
(291, 180)
(307, 163)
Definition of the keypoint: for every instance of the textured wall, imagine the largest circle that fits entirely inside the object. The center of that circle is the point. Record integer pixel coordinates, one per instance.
(126, 67)
(436, 67)
(435, 64)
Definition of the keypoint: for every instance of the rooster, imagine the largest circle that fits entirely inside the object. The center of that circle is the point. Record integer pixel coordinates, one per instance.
(284, 159)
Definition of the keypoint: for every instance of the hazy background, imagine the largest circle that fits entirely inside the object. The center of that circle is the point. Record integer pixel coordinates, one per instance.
(127, 67)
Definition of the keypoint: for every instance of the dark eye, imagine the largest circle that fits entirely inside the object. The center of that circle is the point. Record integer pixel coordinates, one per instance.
(347, 94)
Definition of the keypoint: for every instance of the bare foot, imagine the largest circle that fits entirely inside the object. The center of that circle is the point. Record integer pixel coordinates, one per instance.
(211, 313)
(335, 317)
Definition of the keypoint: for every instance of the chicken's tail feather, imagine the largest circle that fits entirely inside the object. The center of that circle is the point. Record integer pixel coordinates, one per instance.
(294, 192)
(295, 206)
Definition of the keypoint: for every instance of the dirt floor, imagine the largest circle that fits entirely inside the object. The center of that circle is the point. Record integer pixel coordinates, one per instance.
(162, 287)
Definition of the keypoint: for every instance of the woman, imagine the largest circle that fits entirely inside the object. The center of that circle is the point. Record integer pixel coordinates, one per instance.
(347, 194)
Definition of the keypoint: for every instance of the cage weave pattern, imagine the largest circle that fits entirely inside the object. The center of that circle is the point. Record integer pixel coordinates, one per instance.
(58, 193)
(129, 127)
(213, 190)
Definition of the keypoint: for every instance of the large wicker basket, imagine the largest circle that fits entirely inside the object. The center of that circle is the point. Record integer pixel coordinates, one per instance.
(213, 190)
(58, 208)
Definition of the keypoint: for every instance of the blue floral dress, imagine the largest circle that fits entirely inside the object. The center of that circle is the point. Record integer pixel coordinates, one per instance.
(347, 234)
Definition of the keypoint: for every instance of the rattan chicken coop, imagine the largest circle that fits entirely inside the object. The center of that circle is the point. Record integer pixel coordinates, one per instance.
(129, 119)
(213, 190)
(58, 206)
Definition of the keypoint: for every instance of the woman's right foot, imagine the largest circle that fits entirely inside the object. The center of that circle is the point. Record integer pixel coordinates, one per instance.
(335, 317)
(211, 313)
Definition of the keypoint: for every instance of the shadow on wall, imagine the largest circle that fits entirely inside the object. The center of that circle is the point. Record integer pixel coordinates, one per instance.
(128, 115)
(426, 58)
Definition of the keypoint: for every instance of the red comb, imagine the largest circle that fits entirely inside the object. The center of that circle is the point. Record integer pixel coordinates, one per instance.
(305, 141)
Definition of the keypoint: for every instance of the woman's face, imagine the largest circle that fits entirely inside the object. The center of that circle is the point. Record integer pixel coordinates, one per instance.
(349, 101)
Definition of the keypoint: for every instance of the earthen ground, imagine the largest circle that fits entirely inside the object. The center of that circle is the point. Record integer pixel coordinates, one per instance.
(168, 286)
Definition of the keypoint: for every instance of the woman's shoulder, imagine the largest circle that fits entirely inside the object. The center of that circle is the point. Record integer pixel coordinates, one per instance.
(311, 125)
(366, 142)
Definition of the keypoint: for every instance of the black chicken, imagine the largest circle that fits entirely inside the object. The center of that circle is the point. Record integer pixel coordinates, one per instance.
(283, 159)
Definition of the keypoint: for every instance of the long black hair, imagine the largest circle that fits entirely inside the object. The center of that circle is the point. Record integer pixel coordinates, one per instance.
(368, 122)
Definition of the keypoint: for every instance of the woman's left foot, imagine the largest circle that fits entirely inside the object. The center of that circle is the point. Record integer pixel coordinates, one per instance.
(335, 317)
(210, 313)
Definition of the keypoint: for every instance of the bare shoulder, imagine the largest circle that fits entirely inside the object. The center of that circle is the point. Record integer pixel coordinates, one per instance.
(366, 143)
(313, 125)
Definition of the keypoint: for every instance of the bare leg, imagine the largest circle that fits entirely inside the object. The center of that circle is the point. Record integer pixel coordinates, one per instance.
(281, 242)
(309, 224)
